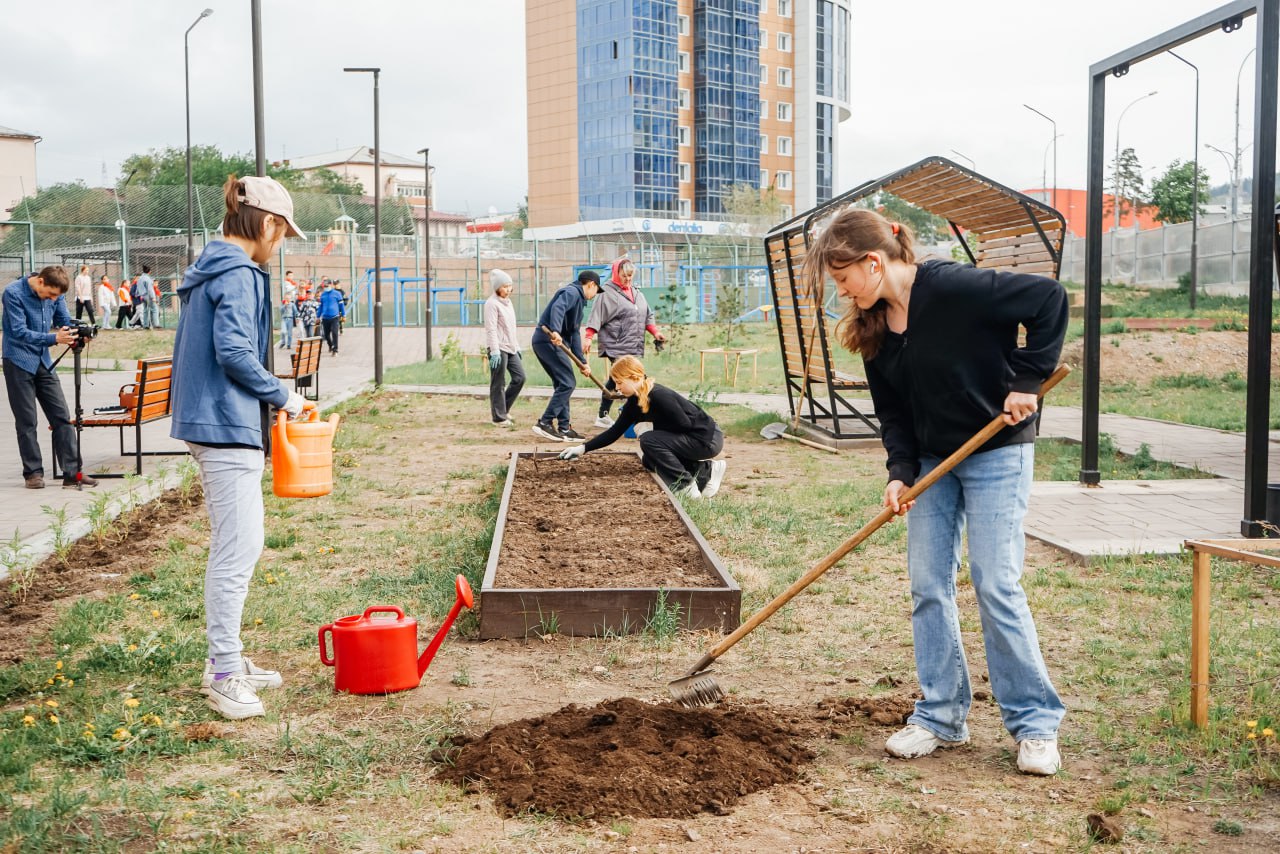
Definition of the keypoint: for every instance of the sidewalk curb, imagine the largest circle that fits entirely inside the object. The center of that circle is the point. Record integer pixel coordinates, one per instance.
(36, 549)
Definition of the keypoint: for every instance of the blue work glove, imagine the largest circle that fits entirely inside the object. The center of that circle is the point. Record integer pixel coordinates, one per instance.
(573, 453)
(495, 359)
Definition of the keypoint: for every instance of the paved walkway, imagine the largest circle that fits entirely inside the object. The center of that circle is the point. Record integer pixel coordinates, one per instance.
(1121, 517)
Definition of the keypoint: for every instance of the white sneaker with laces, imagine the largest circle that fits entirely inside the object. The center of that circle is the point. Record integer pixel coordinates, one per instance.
(912, 742)
(258, 677)
(717, 477)
(690, 491)
(1039, 756)
(233, 698)
(604, 421)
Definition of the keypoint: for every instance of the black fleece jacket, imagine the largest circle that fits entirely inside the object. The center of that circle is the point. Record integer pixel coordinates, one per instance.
(668, 410)
(944, 378)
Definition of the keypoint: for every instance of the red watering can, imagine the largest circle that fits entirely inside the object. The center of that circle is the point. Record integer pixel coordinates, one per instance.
(379, 656)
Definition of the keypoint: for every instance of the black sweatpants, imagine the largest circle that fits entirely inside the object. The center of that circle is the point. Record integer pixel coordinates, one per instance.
(679, 457)
(330, 326)
(85, 305)
(25, 391)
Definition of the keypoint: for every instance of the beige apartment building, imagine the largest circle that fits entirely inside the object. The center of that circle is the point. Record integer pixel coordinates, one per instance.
(644, 113)
(17, 168)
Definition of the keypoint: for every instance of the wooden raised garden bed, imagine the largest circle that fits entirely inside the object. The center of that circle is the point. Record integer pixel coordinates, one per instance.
(589, 547)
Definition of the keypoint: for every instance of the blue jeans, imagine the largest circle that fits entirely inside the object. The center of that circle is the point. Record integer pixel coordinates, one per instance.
(563, 380)
(286, 329)
(989, 491)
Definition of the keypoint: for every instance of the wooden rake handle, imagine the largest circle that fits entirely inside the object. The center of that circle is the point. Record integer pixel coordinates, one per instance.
(979, 439)
(611, 394)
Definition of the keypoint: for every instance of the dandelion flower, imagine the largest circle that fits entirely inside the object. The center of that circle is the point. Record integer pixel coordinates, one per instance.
(155, 612)
(57, 666)
(53, 719)
(120, 734)
(70, 682)
(132, 702)
(49, 681)
(53, 704)
(1268, 732)
(133, 647)
(1251, 724)
(28, 720)
(134, 596)
(1251, 735)
(257, 621)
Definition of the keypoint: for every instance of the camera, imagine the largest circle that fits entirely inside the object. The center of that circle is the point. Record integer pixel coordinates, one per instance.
(84, 331)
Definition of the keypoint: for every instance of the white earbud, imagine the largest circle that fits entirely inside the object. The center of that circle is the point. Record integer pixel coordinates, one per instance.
(874, 266)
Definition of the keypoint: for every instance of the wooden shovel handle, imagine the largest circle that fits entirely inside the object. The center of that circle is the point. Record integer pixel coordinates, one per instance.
(979, 439)
(574, 359)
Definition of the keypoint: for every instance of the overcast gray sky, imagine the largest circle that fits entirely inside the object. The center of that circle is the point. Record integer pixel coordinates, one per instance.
(928, 77)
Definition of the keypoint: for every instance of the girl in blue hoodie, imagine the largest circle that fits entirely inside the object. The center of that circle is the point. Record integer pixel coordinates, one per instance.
(221, 394)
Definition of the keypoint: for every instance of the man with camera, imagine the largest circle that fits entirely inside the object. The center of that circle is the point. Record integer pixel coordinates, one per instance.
(35, 319)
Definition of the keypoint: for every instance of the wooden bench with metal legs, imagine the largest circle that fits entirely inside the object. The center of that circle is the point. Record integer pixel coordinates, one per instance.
(305, 367)
(145, 400)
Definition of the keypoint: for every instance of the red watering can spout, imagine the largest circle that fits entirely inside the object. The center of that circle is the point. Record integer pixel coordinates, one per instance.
(465, 597)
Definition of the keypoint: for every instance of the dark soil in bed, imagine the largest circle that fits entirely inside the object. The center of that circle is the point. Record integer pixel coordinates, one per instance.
(629, 758)
(600, 521)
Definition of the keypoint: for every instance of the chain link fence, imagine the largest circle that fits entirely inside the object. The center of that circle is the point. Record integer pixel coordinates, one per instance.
(115, 234)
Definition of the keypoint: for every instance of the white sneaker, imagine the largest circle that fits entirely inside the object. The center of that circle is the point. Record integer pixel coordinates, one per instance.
(604, 421)
(254, 675)
(233, 698)
(912, 742)
(1039, 756)
(717, 477)
(690, 491)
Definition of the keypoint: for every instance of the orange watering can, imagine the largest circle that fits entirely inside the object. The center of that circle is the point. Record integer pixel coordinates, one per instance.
(379, 656)
(302, 454)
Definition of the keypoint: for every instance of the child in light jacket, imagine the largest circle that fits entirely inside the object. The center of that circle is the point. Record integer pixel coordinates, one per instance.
(504, 349)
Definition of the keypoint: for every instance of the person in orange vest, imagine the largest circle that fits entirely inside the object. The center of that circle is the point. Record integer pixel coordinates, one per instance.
(124, 313)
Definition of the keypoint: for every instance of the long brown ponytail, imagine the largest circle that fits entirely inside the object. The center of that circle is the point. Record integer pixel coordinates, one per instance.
(847, 239)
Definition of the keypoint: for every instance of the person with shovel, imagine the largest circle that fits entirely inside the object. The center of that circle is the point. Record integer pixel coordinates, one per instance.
(620, 318)
(682, 442)
(963, 368)
(562, 316)
(221, 394)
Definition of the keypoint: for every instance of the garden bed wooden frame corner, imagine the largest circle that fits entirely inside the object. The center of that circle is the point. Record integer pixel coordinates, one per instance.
(516, 612)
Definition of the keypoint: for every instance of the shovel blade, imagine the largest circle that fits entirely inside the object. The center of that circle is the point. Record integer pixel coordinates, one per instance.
(696, 689)
(774, 430)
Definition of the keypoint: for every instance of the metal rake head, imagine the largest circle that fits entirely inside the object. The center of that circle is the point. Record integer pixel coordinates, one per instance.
(698, 689)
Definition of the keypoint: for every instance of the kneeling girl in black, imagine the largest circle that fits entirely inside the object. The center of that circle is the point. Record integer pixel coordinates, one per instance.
(682, 442)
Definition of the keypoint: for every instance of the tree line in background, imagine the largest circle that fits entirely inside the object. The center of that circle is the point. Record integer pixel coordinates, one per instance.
(151, 195)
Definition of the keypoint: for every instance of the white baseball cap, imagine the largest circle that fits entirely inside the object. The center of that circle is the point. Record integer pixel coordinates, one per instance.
(268, 194)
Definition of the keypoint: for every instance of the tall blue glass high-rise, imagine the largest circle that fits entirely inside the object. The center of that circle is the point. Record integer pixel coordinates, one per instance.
(726, 63)
(627, 108)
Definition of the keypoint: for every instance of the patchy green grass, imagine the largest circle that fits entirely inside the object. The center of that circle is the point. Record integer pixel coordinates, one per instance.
(119, 769)
(679, 366)
(1059, 459)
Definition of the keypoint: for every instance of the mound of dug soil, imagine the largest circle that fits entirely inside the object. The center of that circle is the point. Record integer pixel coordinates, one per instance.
(629, 758)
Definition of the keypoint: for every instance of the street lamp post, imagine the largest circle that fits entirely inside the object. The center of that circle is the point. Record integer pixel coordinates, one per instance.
(186, 68)
(377, 233)
(1195, 185)
(1235, 178)
(1115, 201)
(426, 229)
(1054, 204)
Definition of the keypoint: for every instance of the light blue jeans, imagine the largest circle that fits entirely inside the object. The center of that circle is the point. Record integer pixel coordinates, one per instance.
(232, 480)
(987, 494)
